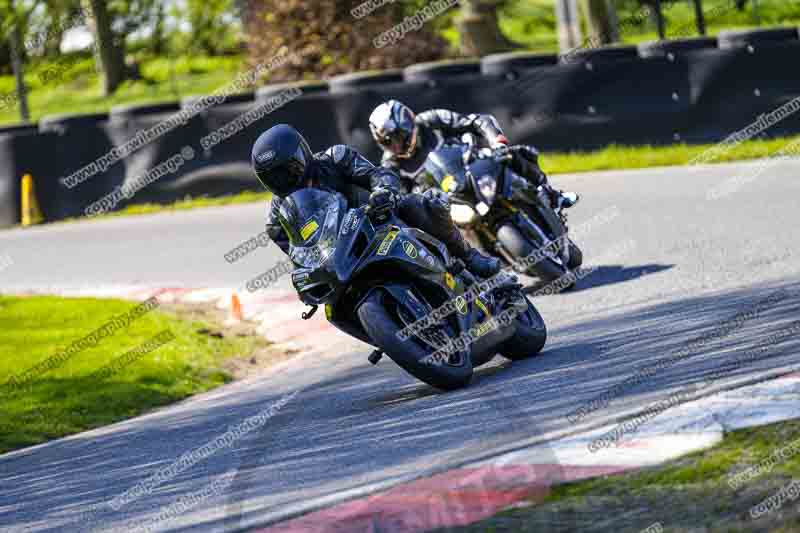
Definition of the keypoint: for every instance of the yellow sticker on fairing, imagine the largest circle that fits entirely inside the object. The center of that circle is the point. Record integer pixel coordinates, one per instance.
(448, 278)
(309, 229)
(448, 183)
(480, 304)
(383, 249)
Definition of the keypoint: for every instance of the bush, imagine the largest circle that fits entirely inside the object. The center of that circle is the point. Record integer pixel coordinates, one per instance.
(325, 39)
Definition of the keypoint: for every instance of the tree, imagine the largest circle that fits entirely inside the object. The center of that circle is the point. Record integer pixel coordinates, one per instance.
(158, 40)
(210, 22)
(19, 79)
(110, 45)
(13, 23)
(53, 22)
(324, 38)
(111, 22)
(479, 30)
(601, 21)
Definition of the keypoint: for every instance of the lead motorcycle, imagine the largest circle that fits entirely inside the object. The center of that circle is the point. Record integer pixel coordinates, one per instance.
(387, 284)
(499, 215)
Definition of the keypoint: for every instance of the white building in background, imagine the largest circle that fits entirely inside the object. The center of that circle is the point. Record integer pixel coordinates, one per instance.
(77, 39)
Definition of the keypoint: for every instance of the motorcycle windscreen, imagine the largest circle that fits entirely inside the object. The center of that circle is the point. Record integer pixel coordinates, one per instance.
(311, 219)
(446, 167)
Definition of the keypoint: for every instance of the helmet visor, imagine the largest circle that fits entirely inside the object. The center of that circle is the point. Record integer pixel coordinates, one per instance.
(400, 142)
(284, 179)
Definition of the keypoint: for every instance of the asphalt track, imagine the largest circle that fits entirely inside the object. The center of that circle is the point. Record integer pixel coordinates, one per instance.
(671, 264)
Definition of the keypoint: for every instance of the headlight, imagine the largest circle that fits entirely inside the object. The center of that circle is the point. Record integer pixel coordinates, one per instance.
(315, 256)
(462, 214)
(487, 187)
(311, 257)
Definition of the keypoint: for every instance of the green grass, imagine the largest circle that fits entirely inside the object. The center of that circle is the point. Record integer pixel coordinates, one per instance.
(246, 197)
(528, 22)
(532, 22)
(66, 400)
(739, 450)
(610, 158)
(632, 157)
(80, 91)
(690, 492)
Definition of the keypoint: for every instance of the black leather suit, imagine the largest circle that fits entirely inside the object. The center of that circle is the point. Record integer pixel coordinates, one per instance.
(344, 170)
(440, 125)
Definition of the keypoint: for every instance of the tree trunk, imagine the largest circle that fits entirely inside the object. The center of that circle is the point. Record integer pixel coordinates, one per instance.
(699, 17)
(600, 21)
(479, 31)
(5, 57)
(568, 22)
(19, 78)
(158, 38)
(110, 47)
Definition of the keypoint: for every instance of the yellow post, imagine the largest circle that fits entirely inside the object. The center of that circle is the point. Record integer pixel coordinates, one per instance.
(31, 214)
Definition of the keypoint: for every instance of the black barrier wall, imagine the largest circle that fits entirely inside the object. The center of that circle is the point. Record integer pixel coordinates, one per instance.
(687, 90)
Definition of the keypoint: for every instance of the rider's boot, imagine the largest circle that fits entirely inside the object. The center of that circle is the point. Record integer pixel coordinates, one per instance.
(480, 265)
(534, 178)
(527, 190)
(437, 222)
(563, 199)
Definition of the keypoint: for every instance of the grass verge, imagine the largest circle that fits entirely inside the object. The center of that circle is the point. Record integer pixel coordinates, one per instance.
(68, 399)
(246, 197)
(687, 494)
(633, 157)
(610, 158)
(79, 87)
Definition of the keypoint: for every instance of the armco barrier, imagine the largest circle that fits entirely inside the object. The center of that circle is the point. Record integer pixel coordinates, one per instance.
(313, 113)
(16, 146)
(591, 100)
(124, 124)
(72, 142)
(676, 47)
(354, 107)
(734, 38)
(358, 80)
(510, 65)
(726, 101)
(691, 90)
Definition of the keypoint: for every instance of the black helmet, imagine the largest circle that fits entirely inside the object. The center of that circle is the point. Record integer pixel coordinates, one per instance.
(280, 157)
(393, 127)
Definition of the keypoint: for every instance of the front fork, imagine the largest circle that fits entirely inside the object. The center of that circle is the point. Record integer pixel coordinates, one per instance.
(517, 190)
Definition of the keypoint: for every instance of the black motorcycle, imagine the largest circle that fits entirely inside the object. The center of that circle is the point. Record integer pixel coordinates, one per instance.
(499, 215)
(398, 289)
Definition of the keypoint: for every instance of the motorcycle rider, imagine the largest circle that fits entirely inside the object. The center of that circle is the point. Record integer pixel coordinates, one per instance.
(284, 163)
(407, 139)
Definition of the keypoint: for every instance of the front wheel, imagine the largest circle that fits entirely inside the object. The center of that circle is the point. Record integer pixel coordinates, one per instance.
(575, 256)
(381, 321)
(530, 337)
(521, 248)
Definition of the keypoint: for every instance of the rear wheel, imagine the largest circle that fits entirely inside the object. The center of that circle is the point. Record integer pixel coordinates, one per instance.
(380, 318)
(530, 337)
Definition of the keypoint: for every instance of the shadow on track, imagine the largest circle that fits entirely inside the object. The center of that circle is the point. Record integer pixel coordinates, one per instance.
(368, 424)
(604, 275)
(611, 274)
(418, 425)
